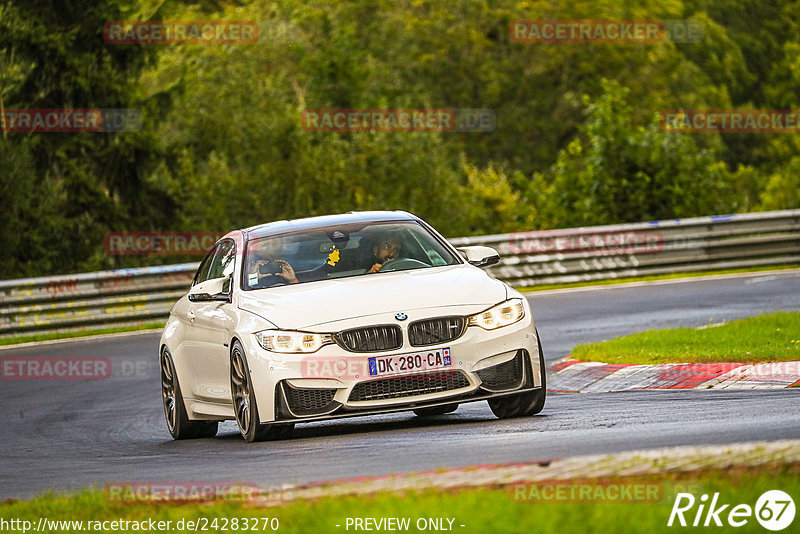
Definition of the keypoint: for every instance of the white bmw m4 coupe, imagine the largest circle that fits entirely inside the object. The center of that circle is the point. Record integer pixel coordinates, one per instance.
(344, 315)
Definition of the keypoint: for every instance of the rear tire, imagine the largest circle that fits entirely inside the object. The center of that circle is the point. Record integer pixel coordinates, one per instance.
(523, 404)
(436, 410)
(244, 403)
(178, 422)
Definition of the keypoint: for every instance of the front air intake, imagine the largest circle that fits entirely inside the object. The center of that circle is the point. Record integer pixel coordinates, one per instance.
(408, 386)
(504, 376)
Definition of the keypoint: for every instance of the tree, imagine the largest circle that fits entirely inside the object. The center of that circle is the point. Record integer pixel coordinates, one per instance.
(89, 182)
(615, 172)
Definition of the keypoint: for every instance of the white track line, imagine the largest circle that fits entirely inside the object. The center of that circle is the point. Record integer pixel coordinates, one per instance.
(794, 272)
(81, 338)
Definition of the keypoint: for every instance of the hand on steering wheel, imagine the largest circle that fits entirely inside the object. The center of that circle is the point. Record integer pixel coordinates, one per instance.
(399, 264)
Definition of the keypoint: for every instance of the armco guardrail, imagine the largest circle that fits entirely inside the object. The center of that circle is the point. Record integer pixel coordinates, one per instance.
(640, 249)
(121, 297)
(135, 296)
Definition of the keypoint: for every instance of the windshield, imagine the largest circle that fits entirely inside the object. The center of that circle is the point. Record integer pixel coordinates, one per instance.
(340, 252)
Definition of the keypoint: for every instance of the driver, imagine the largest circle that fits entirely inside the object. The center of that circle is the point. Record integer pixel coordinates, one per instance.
(387, 249)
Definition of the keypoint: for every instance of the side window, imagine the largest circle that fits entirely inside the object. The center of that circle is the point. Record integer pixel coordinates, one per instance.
(222, 263)
(202, 272)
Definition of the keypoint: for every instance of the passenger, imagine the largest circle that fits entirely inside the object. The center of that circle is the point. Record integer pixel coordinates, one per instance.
(264, 271)
(270, 272)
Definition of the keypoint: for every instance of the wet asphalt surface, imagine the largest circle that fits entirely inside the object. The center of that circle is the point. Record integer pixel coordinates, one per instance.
(58, 435)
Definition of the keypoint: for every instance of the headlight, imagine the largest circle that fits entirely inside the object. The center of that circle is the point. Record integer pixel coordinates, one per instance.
(504, 314)
(288, 342)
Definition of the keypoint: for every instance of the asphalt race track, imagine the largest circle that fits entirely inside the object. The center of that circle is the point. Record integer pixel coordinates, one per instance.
(72, 434)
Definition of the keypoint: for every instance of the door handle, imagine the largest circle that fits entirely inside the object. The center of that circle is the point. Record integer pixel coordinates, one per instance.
(191, 316)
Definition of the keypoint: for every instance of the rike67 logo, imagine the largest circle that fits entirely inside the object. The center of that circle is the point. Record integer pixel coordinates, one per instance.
(774, 510)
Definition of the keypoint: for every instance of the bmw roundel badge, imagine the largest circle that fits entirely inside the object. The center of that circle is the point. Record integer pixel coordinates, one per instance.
(400, 316)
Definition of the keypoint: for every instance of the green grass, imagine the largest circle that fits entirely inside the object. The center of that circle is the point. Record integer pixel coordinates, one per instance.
(765, 338)
(81, 333)
(655, 277)
(505, 509)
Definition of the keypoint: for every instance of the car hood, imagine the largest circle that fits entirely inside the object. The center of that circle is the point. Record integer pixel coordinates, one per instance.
(302, 306)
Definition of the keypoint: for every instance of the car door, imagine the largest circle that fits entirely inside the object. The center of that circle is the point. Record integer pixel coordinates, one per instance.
(210, 324)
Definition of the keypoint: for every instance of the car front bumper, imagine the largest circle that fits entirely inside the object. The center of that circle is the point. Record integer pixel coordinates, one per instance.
(334, 382)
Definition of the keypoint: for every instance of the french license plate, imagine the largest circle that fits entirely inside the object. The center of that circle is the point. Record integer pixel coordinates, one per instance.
(404, 363)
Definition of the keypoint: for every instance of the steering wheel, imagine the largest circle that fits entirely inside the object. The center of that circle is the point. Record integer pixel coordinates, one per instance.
(398, 264)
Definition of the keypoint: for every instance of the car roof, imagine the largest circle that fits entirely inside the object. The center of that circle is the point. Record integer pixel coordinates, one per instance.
(310, 223)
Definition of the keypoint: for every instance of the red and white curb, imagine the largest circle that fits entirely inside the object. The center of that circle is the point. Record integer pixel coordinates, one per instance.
(577, 376)
(642, 463)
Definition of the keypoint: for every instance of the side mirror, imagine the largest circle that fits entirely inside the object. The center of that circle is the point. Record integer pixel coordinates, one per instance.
(210, 290)
(480, 256)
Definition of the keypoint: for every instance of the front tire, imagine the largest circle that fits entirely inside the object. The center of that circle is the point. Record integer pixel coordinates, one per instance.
(178, 422)
(523, 404)
(244, 403)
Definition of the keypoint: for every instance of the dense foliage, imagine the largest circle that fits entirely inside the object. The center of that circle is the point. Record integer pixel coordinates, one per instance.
(577, 141)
